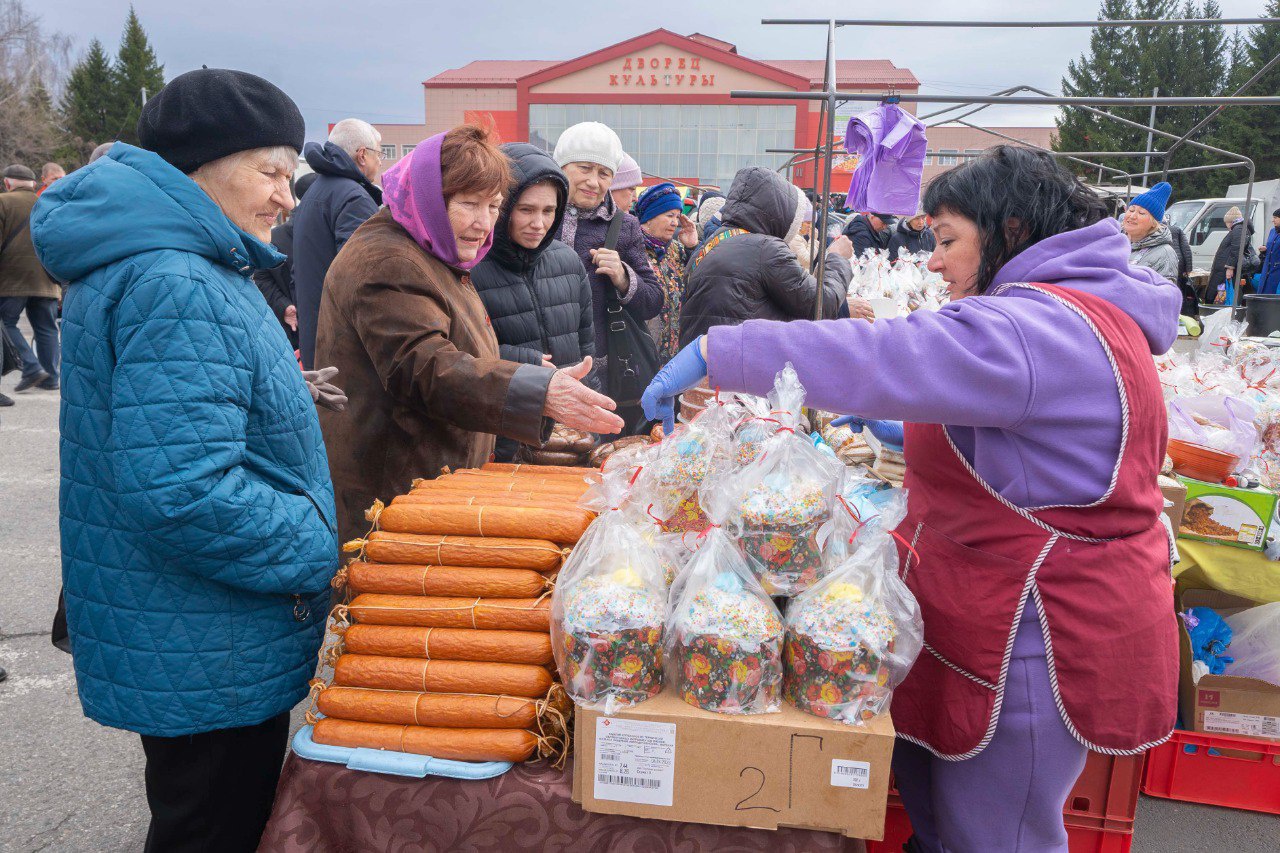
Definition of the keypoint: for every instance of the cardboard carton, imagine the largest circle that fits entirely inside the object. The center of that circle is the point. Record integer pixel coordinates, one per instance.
(668, 760)
(1176, 494)
(1226, 515)
(1224, 704)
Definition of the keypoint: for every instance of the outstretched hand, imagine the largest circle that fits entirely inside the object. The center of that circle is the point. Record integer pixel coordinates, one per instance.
(323, 392)
(576, 406)
(680, 374)
(888, 433)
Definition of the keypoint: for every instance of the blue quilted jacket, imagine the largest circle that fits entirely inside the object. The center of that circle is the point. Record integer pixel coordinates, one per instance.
(198, 535)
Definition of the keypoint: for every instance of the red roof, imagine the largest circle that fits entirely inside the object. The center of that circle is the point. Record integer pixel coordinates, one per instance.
(505, 72)
(869, 71)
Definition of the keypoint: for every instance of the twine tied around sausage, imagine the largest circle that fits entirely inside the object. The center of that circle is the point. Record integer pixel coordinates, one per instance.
(360, 545)
(470, 608)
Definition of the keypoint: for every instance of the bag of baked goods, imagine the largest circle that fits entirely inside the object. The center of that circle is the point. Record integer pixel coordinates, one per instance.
(763, 417)
(865, 508)
(669, 482)
(608, 608)
(852, 638)
(778, 507)
(724, 635)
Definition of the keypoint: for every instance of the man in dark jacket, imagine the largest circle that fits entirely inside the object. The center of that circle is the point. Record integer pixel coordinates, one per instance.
(339, 202)
(750, 274)
(869, 231)
(912, 236)
(276, 284)
(1224, 260)
(534, 287)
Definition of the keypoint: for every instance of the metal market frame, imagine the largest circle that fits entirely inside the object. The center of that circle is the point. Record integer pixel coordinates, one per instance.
(830, 98)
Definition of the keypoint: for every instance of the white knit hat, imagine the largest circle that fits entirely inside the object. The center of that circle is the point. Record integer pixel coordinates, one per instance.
(589, 142)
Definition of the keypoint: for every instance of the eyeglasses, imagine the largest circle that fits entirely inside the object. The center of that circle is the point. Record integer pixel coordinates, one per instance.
(377, 152)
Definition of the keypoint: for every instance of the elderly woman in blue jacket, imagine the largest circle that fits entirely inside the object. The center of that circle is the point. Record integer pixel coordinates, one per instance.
(197, 516)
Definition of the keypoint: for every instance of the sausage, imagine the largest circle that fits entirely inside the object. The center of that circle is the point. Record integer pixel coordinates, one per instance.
(480, 482)
(449, 644)
(453, 744)
(445, 710)
(448, 497)
(523, 468)
(502, 614)
(429, 549)
(564, 526)
(441, 676)
(393, 579)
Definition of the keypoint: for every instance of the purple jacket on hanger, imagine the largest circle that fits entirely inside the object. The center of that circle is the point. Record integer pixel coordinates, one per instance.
(891, 146)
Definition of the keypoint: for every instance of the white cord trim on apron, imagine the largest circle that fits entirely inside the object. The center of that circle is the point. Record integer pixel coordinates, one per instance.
(1057, 695)
(1027, 589)
(1124, 395)
(966, 673)
(1047, 528)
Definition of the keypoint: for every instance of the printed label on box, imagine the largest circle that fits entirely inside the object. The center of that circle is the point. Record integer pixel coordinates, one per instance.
(850, 774)
(635, 761)
(1210, 699)
(1249, 725)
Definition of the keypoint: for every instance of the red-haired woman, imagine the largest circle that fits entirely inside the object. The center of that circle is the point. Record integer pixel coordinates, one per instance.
(420, 365)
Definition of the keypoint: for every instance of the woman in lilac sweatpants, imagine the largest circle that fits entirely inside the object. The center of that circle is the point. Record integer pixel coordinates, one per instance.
(1030, 395)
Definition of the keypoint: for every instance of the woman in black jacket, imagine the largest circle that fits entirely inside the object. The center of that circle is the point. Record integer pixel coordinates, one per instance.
(534, 287)
(1224, 260)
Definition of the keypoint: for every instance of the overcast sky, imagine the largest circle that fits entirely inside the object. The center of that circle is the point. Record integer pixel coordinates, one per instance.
(368, 59)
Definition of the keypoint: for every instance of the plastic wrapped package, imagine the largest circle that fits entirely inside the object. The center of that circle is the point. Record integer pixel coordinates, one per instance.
(763, 418)
(607, 614)
(867, 507)
(668, 484)
(724, 634)
(853, 637)
(1220, 422)
(1255, 643)
(778, 506)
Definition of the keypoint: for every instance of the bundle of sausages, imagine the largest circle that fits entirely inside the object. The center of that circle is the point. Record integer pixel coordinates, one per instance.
(444, 644)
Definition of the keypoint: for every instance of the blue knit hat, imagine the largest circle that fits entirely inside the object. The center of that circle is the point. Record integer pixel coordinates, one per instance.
(1155, 200)
(657, 200)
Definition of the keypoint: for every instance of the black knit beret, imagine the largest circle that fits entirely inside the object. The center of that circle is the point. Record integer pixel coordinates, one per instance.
(206, 114)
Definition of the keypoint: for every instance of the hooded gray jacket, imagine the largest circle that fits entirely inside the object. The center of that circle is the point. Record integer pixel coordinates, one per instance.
(754, 276)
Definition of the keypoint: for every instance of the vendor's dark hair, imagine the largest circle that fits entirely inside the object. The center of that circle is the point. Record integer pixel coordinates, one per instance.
(1017, 197)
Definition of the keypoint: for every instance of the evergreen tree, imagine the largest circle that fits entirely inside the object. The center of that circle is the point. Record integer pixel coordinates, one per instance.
(89, 112)
(1103, 72)
(137, 75)
(1253, 131)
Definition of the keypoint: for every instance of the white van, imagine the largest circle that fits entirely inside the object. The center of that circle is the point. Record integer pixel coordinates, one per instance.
(1201, 219)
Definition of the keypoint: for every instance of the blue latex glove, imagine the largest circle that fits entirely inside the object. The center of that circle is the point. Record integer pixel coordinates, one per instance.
(888, 433)
(679, 375)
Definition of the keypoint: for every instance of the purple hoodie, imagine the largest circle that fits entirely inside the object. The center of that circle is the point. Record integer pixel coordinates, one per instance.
(1022, 384)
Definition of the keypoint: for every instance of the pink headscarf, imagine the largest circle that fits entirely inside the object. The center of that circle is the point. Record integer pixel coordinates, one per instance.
(413, 191)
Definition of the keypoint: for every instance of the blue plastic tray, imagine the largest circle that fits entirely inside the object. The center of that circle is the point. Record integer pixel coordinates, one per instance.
(396, 763)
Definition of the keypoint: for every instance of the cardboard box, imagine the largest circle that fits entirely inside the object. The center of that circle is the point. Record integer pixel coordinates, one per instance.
(1176, 494)
(1226, 515)
(1224, 704)
(668, 760)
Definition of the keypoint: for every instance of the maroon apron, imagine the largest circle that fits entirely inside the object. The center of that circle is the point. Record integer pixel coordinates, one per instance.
(1097, 576)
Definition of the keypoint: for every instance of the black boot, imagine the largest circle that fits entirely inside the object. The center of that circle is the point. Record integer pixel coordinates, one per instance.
(3, 673)
(5, 401)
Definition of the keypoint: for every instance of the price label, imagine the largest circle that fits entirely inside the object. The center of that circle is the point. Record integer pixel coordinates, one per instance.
(850, 774)
(635, 761)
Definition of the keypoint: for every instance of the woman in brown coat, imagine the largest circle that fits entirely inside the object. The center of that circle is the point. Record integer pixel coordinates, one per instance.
(402, 322)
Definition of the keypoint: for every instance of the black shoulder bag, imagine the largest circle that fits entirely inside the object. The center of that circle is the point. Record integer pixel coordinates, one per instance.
(633, 356)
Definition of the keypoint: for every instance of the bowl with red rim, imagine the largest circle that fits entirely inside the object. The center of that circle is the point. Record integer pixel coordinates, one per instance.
(1201, 463)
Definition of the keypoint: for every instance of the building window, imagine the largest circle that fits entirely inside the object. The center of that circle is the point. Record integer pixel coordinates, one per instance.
(972, 152)
(707, 143)
(406, 150)
(388, 152)
(947, 156)
(928, 159)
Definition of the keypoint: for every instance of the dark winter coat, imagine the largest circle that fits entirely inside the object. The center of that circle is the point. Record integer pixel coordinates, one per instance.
(1271, 268)
(1227, 254)
(755, 276)
(20, 270)
(906, 239)
(589, 231)
(863, 236)
(419, 363)
(539, 300)
(276, 284)
(335, 206)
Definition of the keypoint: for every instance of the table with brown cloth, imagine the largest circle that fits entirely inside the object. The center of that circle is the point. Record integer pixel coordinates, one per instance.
(326, 808)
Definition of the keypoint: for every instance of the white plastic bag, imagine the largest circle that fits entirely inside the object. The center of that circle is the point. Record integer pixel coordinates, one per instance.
(852, 637)
(1216, 421)
(1255, 643)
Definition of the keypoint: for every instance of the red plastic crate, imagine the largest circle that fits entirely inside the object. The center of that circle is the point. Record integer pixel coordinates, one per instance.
(1106, 794)
(1217, 770)
(1080, 839)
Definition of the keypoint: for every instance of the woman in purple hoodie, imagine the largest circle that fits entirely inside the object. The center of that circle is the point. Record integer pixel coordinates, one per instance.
(1035, 432)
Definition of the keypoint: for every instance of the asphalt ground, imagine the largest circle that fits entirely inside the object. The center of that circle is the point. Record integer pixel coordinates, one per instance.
(69, 784)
